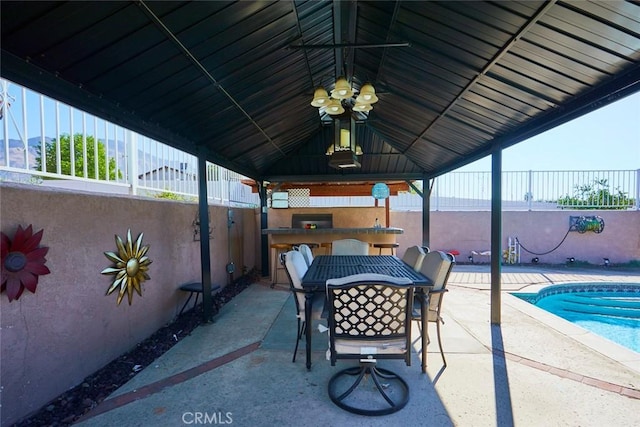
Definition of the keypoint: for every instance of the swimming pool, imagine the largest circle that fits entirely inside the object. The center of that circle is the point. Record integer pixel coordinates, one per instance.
(609, 310)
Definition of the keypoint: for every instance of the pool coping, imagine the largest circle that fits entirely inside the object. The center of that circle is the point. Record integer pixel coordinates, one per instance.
(604, 346)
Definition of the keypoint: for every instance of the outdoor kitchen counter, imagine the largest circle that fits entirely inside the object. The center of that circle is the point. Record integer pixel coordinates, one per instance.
(328, 235)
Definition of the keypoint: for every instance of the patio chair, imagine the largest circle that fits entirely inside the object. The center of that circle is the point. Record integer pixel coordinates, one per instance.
(369, 318)
(349, 247)
(296, 267)
(305, 250)
(414, 256)
(437, 266)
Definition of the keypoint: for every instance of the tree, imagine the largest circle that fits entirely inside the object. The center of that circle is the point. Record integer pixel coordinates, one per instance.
(65, 157)
(596, 196)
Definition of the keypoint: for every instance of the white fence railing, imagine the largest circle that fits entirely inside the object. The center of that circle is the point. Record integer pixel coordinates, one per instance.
(539, 190)
(48, 142)
(525, 190)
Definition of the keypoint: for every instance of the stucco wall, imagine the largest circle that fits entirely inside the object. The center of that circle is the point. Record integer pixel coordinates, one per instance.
(342, 217)
(537, 231)
(53, 339)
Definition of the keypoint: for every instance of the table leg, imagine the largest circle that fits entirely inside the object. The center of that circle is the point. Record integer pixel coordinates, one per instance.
(308, 327)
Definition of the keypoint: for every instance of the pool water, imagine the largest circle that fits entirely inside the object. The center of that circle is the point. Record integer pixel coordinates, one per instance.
(609, 310)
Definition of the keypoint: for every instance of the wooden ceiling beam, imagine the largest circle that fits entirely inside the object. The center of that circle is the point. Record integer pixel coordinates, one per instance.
(333, 189)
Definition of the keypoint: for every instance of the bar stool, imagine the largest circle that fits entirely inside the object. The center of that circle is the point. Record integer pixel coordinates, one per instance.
(327, 247)
(311, 245)
(279, 248)
(391, 246)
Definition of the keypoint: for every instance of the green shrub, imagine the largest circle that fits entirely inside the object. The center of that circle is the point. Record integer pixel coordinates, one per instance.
(596, 196)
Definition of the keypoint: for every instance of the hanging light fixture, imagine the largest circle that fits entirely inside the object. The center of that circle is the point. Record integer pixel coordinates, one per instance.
(362, 107)
(342, 98)
(320, 98)
(367, 95)
(343, 150)
(334, 107)
(342, 90)
(339, 107)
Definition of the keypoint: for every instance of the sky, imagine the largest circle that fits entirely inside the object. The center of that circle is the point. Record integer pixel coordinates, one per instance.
(605, 139)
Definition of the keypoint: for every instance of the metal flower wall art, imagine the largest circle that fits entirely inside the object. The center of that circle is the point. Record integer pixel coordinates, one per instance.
(131, 266)
(22, 262)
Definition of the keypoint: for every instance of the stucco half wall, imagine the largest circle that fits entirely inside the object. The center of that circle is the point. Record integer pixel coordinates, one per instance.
(537, 231)
(69, 328)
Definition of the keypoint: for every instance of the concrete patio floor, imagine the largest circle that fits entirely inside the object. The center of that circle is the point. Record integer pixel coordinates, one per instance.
(532, 370)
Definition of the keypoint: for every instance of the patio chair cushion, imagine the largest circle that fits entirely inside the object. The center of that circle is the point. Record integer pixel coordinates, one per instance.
(354, 347)
(349, 247)
(296, 268)
(305, 250)
(414, 256)
(436, 266)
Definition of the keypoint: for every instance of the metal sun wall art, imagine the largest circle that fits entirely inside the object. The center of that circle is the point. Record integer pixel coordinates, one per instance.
(22, 262)
(130, 269)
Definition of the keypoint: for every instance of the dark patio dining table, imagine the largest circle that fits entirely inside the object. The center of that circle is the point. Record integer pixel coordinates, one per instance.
(326, 267)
